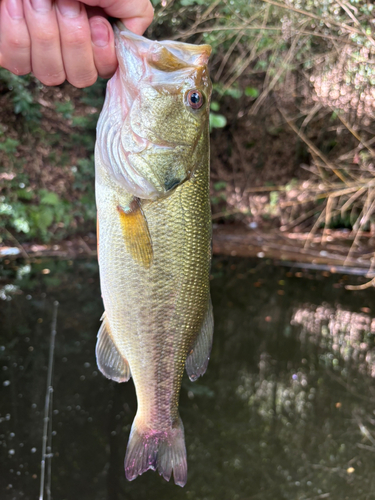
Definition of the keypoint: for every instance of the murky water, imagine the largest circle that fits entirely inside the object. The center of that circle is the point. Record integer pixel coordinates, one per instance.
(285, 411)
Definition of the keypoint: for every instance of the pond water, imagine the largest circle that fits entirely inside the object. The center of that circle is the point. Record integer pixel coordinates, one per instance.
(286, 409)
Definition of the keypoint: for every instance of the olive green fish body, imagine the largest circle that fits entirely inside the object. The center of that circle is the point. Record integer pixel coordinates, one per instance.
(154, 237)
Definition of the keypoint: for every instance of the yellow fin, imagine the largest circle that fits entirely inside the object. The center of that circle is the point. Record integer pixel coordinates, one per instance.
(136, 233)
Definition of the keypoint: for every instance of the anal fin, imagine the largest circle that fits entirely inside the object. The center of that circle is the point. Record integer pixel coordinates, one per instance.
(136, 233)
(109, 360)
(199, 356)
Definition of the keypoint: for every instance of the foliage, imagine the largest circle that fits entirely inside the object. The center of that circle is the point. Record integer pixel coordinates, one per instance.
(23, 91)
(26, 208)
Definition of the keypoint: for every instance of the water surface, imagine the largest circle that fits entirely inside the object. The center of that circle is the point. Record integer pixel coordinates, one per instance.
(286, 409)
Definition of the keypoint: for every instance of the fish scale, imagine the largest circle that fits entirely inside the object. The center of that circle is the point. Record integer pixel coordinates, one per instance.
(154, 241)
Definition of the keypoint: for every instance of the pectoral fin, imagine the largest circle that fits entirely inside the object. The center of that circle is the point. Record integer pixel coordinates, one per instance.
(109, 360)
(136, 233)
(197, 360)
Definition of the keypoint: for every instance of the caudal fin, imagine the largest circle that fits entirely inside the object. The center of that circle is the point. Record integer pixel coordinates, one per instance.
(157, 450)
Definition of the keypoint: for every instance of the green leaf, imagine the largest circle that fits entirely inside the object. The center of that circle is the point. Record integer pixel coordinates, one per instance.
(24, 194)
(217, 121)
(215, 106)
(6, 209)
(48, 198)
(65, 108)
(9, 146)
(42, 217)
(220, 185)
(251, 92)
(233, 92)
(21, 225)
(187, 3)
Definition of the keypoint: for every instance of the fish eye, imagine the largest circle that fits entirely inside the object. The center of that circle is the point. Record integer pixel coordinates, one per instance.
(195, 99)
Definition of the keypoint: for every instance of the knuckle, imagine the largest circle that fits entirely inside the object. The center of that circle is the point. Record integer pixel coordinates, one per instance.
(105, 70)
(149, 11)
(18, 68)
(52, 80)
(84, 80)
(21, 71)
(44, 39)
(77, 39)
(103, 73)
(18, 43)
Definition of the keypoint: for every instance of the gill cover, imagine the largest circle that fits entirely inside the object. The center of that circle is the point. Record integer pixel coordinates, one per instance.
(147, 136)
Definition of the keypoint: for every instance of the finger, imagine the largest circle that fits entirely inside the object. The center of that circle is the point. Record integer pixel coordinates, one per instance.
(46, 59)
(14, 40)
(139, 24)
(76, 43)
(135, 14)
(103, 45)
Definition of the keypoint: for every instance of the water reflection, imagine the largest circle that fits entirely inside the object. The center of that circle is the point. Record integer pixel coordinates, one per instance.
(285, 411)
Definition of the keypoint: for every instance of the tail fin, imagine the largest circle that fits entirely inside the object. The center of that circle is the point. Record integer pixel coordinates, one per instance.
(157, 450)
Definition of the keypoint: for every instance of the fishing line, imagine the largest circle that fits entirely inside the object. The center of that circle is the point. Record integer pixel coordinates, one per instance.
(47, 421)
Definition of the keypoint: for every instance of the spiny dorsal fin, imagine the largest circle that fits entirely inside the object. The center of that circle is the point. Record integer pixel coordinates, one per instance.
(197, 360)
(136, 233)
(109, 360)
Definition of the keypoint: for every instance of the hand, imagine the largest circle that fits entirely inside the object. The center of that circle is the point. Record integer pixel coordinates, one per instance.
(66, 39)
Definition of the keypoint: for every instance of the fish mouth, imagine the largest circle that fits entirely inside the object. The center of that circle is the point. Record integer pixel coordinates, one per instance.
(165, 55)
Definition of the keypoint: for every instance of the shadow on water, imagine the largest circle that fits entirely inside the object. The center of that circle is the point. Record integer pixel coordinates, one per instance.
(285, 411)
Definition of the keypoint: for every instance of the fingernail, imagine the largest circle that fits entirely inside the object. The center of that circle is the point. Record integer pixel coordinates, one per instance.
(41, 6)
(99, 33)
(15, 9)
(69, 8)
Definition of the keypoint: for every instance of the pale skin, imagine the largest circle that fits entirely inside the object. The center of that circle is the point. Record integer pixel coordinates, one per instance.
(66, 39)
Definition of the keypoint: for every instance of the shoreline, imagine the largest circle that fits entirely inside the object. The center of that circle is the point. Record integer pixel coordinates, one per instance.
(323, 250)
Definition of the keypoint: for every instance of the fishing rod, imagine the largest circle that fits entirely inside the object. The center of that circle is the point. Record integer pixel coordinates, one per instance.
(47, 421)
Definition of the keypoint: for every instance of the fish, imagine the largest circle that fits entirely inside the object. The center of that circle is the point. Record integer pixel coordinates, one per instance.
(154, 238)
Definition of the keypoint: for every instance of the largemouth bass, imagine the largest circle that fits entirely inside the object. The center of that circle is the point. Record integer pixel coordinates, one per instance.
(154, 238)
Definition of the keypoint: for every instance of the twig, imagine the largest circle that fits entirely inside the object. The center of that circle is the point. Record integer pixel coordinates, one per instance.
(23, 251)
(85, 245)
(228, 54)
(184, 36)
(314, 228)
(227, 213)
(356, 135)
(312, 146)
(321, 19)
(47, 419)
(367, 209)
(329, 210)
(283, 67)
(352, 199)
(201, 19)
(300, 219)
(369, 284)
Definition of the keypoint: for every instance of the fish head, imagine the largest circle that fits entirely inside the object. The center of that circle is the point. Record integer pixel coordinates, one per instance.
(154, 125)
